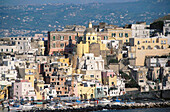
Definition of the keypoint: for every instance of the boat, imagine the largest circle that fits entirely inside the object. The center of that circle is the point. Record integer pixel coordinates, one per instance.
(38, 102)
(15, 107)
(27, 106)
(104, 101)
(117, 101)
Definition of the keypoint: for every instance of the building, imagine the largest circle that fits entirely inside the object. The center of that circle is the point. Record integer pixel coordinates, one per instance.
(64, 41)
(140, 29)
(23, 89)
(121, 34)
(7, 68)
(22, 43)
(166, 28)
(90, 43)
(109, 78)
(142, 47)
(90, 62)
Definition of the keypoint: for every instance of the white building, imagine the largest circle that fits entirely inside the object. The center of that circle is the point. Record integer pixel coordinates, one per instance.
(21, 43)
(89, 62)
(7, 68)
(111, 44)
(166, 28)
(140, 30)
(8, 49)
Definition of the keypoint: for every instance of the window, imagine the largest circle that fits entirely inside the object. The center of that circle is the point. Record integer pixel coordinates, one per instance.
(11, 50)
(61, 37)
(53, 45)
(75, 37)
(62, 45)
(53, 38)
(126, 34)
(153, 41)
(58, 83)
(126, 40)
(138, 42)
(18, 42)
(23, 38)
(93, 38)
(146, 41)
(29, 78)
(88, 38)
(120, 34)
(52, 79)
(105, 37)
(92, 76)
(69, 37)
(11, 38)
(7, 50)
(113, 34)
(161, 41)
(164, 41)
(112, 83)
(1, 50)
(19, 38)
(15, 38)
(17, 86)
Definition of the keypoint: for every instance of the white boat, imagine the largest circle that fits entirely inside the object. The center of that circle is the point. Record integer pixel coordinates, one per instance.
(104, 101)
(27, 106)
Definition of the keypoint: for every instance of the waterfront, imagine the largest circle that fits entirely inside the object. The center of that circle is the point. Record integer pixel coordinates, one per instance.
(126, 110)
(139, 110)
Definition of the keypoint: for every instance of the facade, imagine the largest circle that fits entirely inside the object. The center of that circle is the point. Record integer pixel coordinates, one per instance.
(64, 41)
(90, 42)
(7, 68)
(22, 43)
(121, 34)
(142, 47)
(24, 89)
(109, 78)
(90, 62)
(8, 49)
(140, 30)
(166, 28)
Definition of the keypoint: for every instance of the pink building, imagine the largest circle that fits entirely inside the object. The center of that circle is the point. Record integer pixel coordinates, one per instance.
(24, 89)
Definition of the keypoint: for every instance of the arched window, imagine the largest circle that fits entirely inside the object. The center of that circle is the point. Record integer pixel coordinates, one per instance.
(143, 47)
(149, 47)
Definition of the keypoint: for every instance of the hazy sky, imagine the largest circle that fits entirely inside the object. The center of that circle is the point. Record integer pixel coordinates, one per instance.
(23, 2)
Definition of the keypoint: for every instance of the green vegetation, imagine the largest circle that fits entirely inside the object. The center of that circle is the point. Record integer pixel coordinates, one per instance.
(130, 84)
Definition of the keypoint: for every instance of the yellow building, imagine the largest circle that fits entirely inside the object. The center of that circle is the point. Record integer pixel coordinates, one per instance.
(91, 75)
(63, 60)
(122, 34)
(86, 90)
(3, 92)
(142, 47)
(41, 48)
(39, 90)
(30, 78)
(90, 37)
